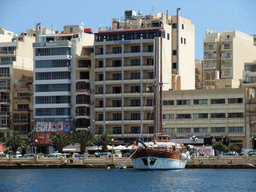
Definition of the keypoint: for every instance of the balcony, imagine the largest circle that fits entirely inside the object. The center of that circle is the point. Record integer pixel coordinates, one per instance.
(7, 53)
(4, 101)
(53, 44)
(209, 57)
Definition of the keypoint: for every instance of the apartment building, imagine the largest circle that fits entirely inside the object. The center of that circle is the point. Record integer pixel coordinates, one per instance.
(199, 74)
(62, 82)
(16, 61)
(224, 57)
(128, 60)
(208, 114)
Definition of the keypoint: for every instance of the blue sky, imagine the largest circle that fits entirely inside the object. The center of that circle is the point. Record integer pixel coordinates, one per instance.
(216, 15)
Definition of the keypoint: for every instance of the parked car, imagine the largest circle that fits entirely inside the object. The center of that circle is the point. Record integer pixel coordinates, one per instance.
(97, 154)
(126, 155)
(252, 153)
(91, 156)
(105, 154)
(231, 153)
(27, 156)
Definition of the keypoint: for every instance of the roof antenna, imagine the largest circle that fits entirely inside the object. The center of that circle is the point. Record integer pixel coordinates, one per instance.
(152, 9)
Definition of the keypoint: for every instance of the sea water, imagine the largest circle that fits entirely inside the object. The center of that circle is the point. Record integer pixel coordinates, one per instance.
(102, 180)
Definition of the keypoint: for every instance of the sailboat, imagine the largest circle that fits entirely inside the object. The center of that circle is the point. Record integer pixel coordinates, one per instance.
(160, 153)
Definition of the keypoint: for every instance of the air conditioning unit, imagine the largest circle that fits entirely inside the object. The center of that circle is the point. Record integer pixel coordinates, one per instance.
(69, 67)
(70, 56)
(91, 90)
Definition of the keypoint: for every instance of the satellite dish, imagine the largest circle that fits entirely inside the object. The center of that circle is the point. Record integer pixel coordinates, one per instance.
(82, 23)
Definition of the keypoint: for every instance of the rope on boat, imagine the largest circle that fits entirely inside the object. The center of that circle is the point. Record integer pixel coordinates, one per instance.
(127, 159)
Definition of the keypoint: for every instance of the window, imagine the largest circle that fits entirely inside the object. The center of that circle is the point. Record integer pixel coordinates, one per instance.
(100, 117)
(235, 100)
(235, 129)
(168, 130)
(150, 75)
(100, 64)
(217, 101)
(52, 87)
(117, 90)
(52, 75)
(174, 52)
(24, 107)
(117, 103)
(117, 130)
(200, 116)
(150, 48)
(52, 99)
(135, 49)
(117, 76)
(235, 115)
(150, 61)
(117, 116)
(184, 40)
(183, 130)
(135, 102)
(53, 51)
(200, 101)
(116, 63)
(117, 50)
(218, 115)
(135, 129)
(100, 51)
(150, 102)
(52, 63)
(182, 26)
(183, 102)
(168, 36)
(150, 116)
(100, 90)
(71, 29)
(168, 116)
(135, 62)
(135, 116)
(100, 130)
(201, 130)
(135, 89)
(151, 129)
(218, 129)
(135, 75)
(174, 65)
(183, 116)
(181, 40)
(168, 102)
(53, 112)
(174, 25)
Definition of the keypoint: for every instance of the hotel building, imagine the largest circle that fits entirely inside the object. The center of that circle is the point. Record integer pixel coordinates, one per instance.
(128, 59)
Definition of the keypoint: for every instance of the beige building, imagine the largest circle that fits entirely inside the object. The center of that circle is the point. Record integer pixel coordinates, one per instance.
(199, 74)
(16, 61)
(128, 60)
(207, 114)
(224, 57)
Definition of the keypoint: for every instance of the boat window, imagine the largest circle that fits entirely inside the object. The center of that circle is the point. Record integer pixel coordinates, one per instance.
(152, 161)
(145, 161)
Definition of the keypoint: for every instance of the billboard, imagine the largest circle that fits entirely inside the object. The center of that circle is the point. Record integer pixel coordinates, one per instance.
(52, 126)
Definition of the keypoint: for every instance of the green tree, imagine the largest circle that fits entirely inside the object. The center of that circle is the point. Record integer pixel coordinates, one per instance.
(104, 139)
(15, 140)
(233, 147)
(83, 138)
(218, 146)
(59, 139)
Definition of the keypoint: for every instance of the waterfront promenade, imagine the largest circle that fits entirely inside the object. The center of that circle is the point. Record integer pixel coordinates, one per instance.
(195, 162)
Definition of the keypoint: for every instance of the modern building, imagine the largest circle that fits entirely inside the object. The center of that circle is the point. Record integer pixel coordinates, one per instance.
(224, 57)
(207, 114)
(61, 82)
(16, 61)
(199, 74)
(128, 60)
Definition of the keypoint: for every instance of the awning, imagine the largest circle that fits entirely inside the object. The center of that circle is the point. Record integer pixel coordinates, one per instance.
(64, 34)
(70, 150)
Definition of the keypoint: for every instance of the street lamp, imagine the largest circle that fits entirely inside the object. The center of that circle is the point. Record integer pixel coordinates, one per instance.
(112, 150)
(36, 141)
(193, 139)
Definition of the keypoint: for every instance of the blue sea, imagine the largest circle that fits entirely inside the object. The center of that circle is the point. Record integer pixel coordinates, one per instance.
(101, 180)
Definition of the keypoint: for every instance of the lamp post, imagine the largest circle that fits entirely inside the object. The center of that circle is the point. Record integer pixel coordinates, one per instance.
(112, 154)
(36, 141)
(193, 139)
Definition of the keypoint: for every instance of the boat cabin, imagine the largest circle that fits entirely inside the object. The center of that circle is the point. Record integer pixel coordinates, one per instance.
(160, 138)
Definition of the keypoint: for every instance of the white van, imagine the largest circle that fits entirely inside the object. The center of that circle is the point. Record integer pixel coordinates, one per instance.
(105, 154)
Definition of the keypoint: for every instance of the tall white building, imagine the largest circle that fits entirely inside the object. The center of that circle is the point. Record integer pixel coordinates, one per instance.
(60, 69)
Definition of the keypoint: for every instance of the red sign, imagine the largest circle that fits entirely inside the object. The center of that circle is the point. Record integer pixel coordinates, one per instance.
(42, 138)
(1, 148)
(213, 140)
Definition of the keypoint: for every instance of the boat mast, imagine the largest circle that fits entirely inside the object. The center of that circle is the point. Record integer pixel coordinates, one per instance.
(155, 91)
(161, 90)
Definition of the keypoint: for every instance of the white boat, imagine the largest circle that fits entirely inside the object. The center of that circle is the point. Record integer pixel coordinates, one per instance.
(120, 166)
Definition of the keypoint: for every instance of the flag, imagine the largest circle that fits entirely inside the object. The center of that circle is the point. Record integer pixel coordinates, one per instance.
(134, 143)
(1, 148)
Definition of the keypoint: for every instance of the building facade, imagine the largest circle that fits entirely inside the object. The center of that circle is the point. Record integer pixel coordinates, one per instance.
(224, 57)
(207, 114)
(128, 61)
(199, 74)
(16, 61)
(60, 69)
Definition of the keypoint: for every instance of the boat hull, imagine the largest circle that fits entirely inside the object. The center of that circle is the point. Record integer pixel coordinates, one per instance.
(158, 163)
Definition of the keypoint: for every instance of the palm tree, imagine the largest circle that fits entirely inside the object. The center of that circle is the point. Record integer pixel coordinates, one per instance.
(15, 140)
(59, 139)
(233, 147)
(83, 138)
(104, 140)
